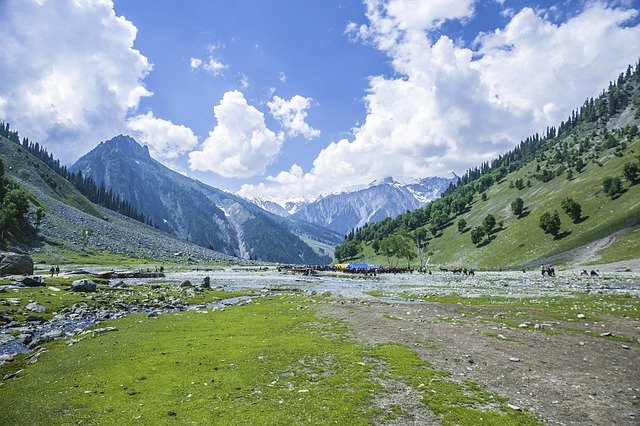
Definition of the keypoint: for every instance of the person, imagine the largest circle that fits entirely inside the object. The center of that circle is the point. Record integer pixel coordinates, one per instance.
(542, 270)
(57, 271)
(52, 270)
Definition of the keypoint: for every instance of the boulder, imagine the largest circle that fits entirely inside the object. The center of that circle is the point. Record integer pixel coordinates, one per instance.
(186, 283)
(33, 281)
(84, 285)
(15, 264)
(36, 307)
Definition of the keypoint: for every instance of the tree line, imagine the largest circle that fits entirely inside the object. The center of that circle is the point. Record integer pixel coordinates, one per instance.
(85, 184)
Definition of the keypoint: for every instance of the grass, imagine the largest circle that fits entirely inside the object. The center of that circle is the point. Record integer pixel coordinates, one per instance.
(545, 308)
(267, 362)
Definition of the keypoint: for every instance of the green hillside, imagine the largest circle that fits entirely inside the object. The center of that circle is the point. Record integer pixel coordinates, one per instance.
(598, 141)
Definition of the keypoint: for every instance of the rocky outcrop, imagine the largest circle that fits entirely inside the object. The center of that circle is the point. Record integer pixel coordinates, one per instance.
(15, 264)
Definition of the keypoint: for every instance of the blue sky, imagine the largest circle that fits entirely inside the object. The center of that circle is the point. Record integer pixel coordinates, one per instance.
(284, 99)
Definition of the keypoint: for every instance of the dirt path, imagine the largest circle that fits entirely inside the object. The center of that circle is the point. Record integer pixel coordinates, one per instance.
(562, 376)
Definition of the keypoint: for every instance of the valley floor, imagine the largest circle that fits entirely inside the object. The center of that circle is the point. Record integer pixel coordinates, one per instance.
(496, 348)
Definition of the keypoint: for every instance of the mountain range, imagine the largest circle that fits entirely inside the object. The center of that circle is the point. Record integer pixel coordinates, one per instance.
(355, 206)
(199, 213)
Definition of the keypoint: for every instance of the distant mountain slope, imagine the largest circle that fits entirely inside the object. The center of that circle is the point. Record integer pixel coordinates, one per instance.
(192, 210)
(591, 158)
(354, 207)
(69, 213)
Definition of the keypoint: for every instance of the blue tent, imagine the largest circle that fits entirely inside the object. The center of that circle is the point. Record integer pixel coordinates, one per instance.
(361, 266)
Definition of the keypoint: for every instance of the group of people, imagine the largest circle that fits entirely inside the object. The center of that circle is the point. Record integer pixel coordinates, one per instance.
(54, 270)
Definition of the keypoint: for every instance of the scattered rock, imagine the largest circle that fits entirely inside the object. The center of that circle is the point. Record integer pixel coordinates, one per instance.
(582, 316)
(36, 307)
(186, 283)
(15, 264)
(34, 358)
(99, 330)
(85, 286)
(605, 334)
(514, 407)
(514, 359)
(625, 347)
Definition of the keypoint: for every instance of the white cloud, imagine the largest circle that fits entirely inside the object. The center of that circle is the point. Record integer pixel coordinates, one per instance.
(210, 65)
(240, 145)
(292, 114)
(450, 107)
(164, 139)
(70, 73)
(282, 77)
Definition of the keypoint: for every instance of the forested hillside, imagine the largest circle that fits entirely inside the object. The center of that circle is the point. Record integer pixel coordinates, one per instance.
(572, 186)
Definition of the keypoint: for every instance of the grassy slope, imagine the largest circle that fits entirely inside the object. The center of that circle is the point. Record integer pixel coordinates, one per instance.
(521, 241)
(26, 168)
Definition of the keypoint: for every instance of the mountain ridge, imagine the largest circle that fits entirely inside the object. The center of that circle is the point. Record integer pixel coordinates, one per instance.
(354, 206)
(193, 210)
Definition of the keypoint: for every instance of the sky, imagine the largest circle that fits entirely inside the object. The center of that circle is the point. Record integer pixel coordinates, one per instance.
(289, 99)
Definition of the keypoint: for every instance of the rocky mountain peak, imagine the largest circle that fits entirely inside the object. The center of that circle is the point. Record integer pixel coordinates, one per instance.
(124, 145)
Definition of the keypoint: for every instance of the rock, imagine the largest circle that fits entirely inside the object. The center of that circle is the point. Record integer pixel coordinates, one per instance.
(5, 319)
(186, 283)
(15, 264)
(34, 358)
(625, 347)
(85, 286)
(582, 316)
(33, 281)
(605, 334)
(34, 318)
(99, 330)
(514, 359)
(4, 338)
(514, 407)
(6, 357)
(36, 307)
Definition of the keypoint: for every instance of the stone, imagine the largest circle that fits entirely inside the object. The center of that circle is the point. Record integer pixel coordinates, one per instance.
(33, 281)
(84, 285)
(186, 283)
(514, 359)
(582, 316)
(605, 334)
(4, 338)
(36, 307)
(15, 264)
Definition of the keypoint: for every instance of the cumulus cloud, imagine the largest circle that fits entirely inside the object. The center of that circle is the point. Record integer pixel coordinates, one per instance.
(164, 139)
(70, 73)
(211, 65)
(452, 107)
(292, 114)
(240, 145)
